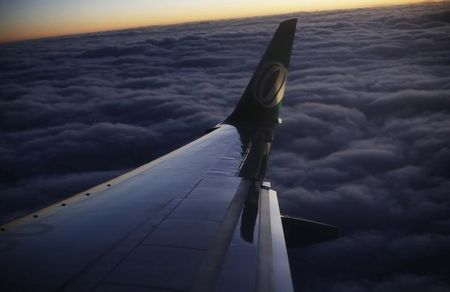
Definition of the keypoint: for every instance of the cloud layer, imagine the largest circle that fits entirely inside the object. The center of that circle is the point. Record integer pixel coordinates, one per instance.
(364, 144)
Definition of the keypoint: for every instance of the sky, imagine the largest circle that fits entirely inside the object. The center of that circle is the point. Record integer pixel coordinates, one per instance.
(364, 143)
(27, 19)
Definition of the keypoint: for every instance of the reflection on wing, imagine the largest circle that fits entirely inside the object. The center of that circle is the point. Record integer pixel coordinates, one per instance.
(197, 219)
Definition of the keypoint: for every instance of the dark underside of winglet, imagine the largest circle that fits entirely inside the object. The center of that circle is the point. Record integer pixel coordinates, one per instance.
(262, 98)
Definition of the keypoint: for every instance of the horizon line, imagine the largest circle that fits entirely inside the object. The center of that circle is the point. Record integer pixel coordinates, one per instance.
(6, 42)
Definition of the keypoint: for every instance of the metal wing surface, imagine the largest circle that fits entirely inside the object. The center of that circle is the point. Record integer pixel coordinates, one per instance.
(200, 218)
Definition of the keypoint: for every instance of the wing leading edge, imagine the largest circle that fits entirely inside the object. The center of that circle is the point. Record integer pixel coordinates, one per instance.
(200, 218)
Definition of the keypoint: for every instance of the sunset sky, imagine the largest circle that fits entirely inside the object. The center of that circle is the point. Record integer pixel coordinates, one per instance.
(26, 19)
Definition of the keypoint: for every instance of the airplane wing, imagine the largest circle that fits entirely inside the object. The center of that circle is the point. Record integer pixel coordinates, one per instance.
(200, 218)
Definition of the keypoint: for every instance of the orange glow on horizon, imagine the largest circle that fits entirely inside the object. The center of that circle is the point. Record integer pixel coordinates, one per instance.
(32, 25)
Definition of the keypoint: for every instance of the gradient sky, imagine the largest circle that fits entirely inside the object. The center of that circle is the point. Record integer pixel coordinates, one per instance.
(25, 19)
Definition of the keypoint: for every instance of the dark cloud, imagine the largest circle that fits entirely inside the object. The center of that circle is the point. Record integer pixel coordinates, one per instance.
(364, 144)
(112, 51)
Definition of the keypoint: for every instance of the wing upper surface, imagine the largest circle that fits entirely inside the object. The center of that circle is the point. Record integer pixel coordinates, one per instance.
(178, 191)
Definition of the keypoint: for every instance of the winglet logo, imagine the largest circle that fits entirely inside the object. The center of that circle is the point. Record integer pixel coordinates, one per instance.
(270, 83)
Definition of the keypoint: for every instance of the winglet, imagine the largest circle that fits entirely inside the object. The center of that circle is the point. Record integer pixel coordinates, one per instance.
(262, 98)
